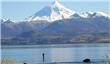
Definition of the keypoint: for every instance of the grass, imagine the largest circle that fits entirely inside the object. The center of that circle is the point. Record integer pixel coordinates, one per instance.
(8, 61)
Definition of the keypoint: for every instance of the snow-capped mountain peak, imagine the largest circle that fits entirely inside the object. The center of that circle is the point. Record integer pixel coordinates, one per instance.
(101, 14)
(52, 12)
(92, 14)
(56, 3)
(57, 11)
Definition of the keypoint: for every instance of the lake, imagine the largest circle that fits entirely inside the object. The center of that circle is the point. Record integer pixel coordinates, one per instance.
(32, 54)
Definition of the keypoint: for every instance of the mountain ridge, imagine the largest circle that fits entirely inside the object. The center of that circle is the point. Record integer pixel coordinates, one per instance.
(85, 27)
(52, 12)
(57, 11)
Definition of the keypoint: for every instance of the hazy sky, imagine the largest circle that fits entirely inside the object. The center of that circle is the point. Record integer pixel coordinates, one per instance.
(20, 9)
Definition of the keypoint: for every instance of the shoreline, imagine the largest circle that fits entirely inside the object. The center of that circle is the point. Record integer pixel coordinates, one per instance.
(56, 45)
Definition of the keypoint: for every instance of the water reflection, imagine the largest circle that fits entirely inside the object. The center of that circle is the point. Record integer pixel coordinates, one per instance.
(60, 54)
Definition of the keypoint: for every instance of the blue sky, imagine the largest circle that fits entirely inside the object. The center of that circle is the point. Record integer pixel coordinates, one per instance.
(20, 9)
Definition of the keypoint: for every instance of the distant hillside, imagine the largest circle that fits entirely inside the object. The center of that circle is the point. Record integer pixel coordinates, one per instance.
(92, 30)
(56, 24)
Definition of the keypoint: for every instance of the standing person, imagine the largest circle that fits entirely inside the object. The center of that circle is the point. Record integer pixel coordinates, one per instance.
(43, 56)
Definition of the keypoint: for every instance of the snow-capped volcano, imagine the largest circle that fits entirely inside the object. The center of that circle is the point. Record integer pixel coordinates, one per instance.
(57, 11)
(52, 12)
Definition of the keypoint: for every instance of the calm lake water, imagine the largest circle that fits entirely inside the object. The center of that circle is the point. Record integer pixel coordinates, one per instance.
(56, 53)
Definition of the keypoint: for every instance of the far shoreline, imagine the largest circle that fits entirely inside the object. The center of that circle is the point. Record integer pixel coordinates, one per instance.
(56, 45)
